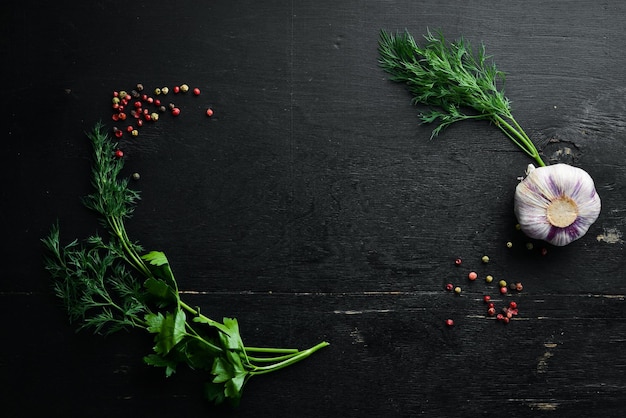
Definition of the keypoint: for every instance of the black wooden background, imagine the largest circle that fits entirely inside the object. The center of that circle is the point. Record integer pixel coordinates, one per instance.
(313, 206)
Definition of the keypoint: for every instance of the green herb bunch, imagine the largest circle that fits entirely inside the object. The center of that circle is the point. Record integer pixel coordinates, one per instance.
(452, 80)
(111, 284)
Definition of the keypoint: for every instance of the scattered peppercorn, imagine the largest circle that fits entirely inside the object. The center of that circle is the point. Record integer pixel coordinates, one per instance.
(449, 287)
(176, 89)
(486, 298)
(509, 244)
(491, 311)
(458, 261)
(489, 278)
(529, 246)
(519, 287)
(119, 153)
(472, 275)
(209, 112)
(154, 116)
(544, 251)
(175, 111)
(502, 283)
(449, 322)
(503, 290)
(136, 176)
(196, 91)
(513, 305)
(184, 88)
(157, 91)
(485, 259)
(165, 90)
(134, 132)
(457, 290)
(139, 87)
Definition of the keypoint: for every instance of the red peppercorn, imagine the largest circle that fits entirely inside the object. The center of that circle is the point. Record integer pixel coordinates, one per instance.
(150, 100)
(137, 104)
(122, 116)
(506, 319)
(118, 133)
(503, 290)
(486, 298)
(519, 287)
(472, 275)
(209, 112)
(499, 317)
(196, 91)
(449, 322)
(176, 89)
(144, 97)
(118, 152)
(458, 261)
(115, 117)
(544, 251)
(175, 111)
(139, 122)
(127, 97)
(157, 102)
(513, 305)
(491, 311)
(449, 287)
(129, 128)
(491, 305)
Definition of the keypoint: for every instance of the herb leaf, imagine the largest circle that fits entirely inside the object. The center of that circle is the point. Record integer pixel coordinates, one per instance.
(107, 286)
(449, 77)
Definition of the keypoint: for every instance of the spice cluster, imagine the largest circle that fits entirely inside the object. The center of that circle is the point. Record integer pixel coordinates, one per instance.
(137, 107)
(507, 311)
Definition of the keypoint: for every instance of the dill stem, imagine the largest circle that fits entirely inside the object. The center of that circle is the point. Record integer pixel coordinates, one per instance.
(516, 134)
(117, 225)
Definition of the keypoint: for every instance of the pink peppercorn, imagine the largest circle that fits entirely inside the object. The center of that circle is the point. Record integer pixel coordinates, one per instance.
(503, 290)
(119, 153)
(209, 112)
(491, 311)
(449, 287)
(458, 261)
(513, 305)
(196, 91)
(486, 298)
(472, 275)
(175, 111)
(449, 322)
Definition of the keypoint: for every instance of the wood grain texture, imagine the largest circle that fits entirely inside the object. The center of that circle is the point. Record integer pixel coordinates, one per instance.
(313, 206)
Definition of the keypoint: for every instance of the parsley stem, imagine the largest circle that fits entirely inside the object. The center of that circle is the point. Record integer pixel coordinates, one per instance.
(271, 350)
(296, 358)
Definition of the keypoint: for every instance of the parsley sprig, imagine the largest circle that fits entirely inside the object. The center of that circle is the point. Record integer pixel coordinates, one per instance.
(451, 79)
(109, 285)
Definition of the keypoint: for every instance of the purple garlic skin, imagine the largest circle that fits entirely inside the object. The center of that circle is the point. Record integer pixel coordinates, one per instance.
(556, 203)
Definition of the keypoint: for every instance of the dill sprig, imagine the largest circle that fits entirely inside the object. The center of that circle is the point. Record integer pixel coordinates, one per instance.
(109, 285)
(451, 79)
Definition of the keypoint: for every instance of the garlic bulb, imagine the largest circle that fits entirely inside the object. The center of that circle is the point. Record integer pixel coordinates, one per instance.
(556, 203)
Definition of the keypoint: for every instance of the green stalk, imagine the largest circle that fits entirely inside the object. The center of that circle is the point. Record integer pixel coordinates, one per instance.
(280, 365)
(519, 137)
